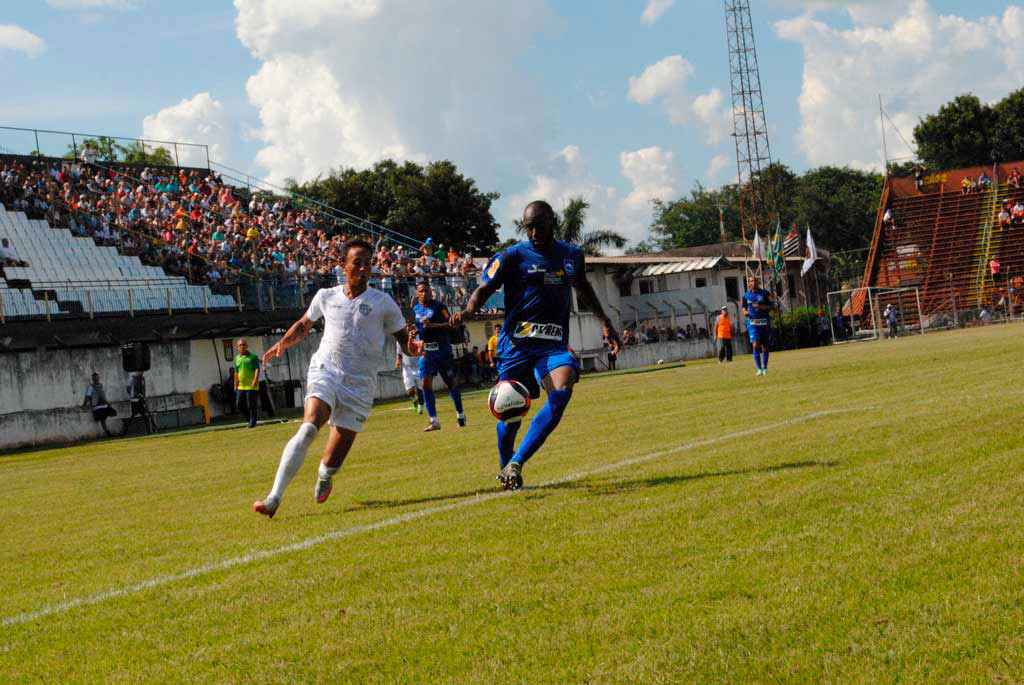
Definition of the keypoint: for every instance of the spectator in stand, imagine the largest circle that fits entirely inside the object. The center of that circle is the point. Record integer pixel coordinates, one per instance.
(965, 186)
(427, 248)
(984, 182)
(996, 270)
(919, 177)
(8, 257)
(1015, 178)
(96, 400)
(887, 219)
(1017, 215)
(1004, 218)
(723, 333)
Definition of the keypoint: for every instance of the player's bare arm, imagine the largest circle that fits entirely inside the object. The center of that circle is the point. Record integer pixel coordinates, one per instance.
(588, 298)
(299, 330)
(408, 344)
(476, 300)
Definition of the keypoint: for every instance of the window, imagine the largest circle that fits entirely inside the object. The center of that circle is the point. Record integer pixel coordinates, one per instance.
(625, 288)
(229, 349)
(791, 283)
(700, 283)
(732, 288)
(646, 286)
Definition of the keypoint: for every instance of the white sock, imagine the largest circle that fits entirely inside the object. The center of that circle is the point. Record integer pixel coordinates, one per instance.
(460, 415)
(292, 457)
(326, 471)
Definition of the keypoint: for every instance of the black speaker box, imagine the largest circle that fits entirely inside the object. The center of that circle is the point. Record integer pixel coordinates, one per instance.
(135, 357)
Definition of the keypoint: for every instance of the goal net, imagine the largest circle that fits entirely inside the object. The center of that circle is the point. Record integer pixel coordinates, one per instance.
(860, 313)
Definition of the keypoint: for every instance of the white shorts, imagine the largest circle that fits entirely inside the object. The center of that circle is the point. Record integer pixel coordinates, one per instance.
(348, 410)
(411, 378)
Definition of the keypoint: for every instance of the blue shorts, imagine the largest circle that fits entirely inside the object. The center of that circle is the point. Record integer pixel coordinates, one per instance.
(530, 369)
(760, 334)
(433, 365)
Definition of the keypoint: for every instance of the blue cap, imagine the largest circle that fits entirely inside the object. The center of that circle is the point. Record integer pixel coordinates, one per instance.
(429, 241)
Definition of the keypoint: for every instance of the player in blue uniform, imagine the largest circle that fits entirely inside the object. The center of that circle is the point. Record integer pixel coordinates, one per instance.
(538, 276)
(434, 326)
(758, 304)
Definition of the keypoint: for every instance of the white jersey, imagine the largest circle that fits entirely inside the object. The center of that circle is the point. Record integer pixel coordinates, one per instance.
(355, 332)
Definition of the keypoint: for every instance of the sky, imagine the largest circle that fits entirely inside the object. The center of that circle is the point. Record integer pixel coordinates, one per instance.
(621, 102)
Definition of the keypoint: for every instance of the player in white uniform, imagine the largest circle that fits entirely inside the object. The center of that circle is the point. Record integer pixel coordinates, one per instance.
(410, 367)
(342, 373)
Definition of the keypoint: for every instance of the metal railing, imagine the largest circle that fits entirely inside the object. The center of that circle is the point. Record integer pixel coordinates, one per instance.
(45, 143)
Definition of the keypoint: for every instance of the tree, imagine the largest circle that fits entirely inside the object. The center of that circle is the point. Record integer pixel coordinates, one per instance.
(694, 220)
(960, 134)
(839, 204)
(569, 228)
(435, 201)
(1008, 129)
(109, 150)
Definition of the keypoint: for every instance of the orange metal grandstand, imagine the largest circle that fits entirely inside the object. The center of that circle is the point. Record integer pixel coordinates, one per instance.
(941, 242)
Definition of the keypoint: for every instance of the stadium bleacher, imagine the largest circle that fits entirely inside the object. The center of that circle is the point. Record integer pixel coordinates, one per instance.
(942, 242)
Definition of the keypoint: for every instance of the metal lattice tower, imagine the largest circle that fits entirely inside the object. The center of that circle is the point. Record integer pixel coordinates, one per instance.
(750, 130)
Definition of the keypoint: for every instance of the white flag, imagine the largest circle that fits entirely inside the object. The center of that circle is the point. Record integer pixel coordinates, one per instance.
(812, 254)
(757, 250)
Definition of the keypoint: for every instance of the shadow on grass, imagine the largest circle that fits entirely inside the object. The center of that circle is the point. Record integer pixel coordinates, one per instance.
(600, 488)
(615, 487)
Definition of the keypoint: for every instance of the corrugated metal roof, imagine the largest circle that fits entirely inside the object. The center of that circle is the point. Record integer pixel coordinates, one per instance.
(677, 267)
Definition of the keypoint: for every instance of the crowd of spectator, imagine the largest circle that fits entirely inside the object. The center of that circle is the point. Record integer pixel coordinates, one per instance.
(193, 224)
(1012, 213)
(645, 332)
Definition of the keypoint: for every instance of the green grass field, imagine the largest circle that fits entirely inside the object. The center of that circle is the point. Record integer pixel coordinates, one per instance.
(854, 516)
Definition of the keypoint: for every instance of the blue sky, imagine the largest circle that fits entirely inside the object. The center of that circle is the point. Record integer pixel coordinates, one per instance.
(621, 102)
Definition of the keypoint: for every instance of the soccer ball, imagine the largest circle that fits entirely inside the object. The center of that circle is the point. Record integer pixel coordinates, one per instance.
(509, 401)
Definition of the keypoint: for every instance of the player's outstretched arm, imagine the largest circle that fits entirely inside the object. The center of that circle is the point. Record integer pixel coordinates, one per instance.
(299, 330)
(588, 298)
(408, 343)
(476, 300)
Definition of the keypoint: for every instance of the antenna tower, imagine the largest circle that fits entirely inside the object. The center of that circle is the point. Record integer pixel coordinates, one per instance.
(750, 130)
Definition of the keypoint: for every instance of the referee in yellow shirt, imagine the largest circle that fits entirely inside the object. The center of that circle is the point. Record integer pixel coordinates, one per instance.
(247, 382)
(492, 350)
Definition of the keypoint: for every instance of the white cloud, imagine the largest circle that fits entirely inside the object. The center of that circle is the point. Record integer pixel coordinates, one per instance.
(199, 119)
(351, 82)
(649, 171)
(666, 80)
(654, 10)
(13, 37)
(717, 164)
(917, 58)
(93, 4)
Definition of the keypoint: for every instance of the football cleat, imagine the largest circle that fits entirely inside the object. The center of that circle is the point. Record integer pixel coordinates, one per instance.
(433, 426)
(323, 489)
(267, 507)
(461, 421)
(511, 476)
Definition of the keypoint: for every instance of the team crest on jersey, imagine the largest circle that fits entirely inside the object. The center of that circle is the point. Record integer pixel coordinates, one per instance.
(542, 331)
(365, 309)
(492, 268)
(570, 268)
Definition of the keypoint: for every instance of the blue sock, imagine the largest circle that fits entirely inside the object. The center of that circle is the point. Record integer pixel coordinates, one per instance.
(456, 395)
(757, 359)
(431, 401)
(764, 358)
(543, 423)
(507, 441)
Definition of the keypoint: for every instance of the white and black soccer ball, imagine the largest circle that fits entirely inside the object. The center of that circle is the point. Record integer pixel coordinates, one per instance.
(509, 401)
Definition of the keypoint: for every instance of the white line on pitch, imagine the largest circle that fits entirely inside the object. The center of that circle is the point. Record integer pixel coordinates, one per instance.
(395, 520)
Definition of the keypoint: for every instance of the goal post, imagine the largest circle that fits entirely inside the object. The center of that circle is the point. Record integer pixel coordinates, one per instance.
(862, 312)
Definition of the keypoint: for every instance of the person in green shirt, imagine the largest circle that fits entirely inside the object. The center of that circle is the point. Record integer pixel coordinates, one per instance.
(247, 382)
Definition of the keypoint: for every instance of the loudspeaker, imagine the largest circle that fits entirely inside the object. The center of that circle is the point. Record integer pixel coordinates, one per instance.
(135, 357)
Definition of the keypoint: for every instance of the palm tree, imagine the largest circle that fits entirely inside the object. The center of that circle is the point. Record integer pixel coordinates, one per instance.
(569, 227)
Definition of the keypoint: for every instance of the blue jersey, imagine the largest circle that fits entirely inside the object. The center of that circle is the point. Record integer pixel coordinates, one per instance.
(752, 298)
(538, 296)
(437, 342)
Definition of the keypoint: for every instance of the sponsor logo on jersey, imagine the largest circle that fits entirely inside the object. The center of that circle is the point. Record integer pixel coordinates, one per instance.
(431, 347)
(542, 331)
(365, 309)
(554, 278)
(535, 269)
(757, 322)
